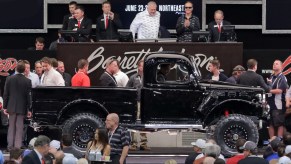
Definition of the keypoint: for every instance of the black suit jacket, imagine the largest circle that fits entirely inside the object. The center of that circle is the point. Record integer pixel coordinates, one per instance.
(214, 35)
(16, 98)
(31, 158)
(83, 33)
(66, 20)
(111, 31)
(251, 78)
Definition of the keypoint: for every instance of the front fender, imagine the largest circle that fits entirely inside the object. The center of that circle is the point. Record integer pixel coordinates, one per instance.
(67, 108)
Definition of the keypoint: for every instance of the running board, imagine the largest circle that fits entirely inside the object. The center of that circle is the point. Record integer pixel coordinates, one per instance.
(160, 127)
(172, 126)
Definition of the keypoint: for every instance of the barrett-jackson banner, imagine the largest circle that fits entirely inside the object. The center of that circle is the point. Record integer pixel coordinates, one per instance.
(229, 54)
(266, 59)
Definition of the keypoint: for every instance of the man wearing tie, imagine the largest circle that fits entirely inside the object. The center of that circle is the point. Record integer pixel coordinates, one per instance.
(215, 27)
(81, 24)
(107, 24)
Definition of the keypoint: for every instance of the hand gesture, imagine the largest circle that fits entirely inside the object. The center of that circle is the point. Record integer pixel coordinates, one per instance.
(29, 114)
(187, 23)
(5, 112)
(111, 15)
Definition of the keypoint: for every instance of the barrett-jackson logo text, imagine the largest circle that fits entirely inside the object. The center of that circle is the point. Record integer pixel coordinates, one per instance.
(128, 62)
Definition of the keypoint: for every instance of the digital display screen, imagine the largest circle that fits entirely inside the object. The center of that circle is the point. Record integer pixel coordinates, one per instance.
(19, 14)
(170, 10)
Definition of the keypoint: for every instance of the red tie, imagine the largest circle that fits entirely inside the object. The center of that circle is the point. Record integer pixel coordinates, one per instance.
(219, 28)
(106, 23)
(42, 161)
(79, 24)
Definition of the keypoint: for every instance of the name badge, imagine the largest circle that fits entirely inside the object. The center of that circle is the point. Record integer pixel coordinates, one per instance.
(102, 20)
(76, 25)
(215, 26)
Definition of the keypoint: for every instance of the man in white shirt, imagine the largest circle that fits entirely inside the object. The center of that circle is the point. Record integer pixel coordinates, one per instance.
(30, 75)
(121, 78)
(50, 77)
(146, 23)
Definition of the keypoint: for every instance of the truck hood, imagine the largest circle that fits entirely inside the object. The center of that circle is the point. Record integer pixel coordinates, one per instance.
(225, 85)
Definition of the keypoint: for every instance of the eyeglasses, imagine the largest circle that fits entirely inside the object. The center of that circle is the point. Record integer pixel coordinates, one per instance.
(188, 7)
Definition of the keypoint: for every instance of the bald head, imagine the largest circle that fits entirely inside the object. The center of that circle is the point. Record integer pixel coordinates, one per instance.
(112, 121)
(114, 117)
(152, 8)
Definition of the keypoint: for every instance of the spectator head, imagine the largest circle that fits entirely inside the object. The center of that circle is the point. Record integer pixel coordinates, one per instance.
(27, 67)
(79, 12)
(72, 6)
(250, 148)
(287, 138)
(67, 140)
(42, 144)
(70, 159)
(171, 161)
(54, 63)
(152, 8)
(198, 145)
(82, 161)
(239, 144)
(252, 64)
(277, 66)
(38, 68)
(188, 7)
(15, 154)
(112, 121)
(83, 65)
(218, 16)
(106, 7)
(288, 149)
(219, 161)
(20, 68)
(101, 136)
(212, 150)
(39, 43)
(46, 63)
(281, 150)
(112, 66)
(275, 143)
(55, 144)
(214, 65)
(61, 66)
(31, 143)
(208, 160)
(238, 70)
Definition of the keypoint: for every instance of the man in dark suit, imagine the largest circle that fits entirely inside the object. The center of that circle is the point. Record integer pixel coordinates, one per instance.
(41, 148)
(215, 27)
(16, 103)
(107, 24)
(251, 78)
(67, 18)
(107, 78)
(39, 44)
(82, 25)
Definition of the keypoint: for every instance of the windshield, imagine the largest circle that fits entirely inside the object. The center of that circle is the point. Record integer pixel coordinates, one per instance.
(196, 72)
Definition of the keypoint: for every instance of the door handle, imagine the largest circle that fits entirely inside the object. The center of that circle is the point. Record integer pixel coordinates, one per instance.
(158, 93)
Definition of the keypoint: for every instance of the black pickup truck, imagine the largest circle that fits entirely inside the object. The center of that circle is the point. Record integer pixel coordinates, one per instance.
(183, 101)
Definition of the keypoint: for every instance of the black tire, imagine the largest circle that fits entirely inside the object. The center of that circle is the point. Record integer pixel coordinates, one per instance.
(229, 129)
(82, 127)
